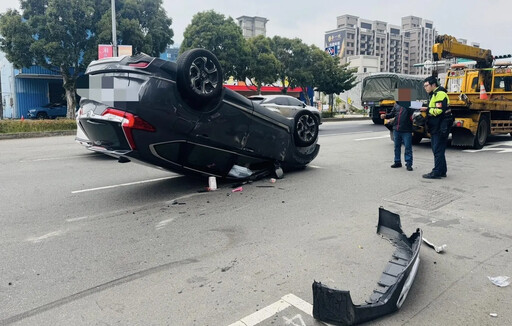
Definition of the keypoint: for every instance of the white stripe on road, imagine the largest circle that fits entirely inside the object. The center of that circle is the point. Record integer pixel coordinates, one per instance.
(163, 223)
(46, 236)
(123, 184)
(51, 159)
(288, 300)
(371, 138)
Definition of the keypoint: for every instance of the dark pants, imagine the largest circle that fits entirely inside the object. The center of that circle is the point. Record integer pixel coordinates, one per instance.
(406, 139)
(438, 143)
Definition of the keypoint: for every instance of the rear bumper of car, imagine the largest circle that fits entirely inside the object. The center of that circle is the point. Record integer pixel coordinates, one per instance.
(336, 306)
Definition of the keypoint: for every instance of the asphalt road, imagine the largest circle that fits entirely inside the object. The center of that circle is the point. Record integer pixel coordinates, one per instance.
(89, 241)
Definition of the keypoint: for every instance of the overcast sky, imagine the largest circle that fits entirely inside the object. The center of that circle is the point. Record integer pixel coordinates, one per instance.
(488, 22)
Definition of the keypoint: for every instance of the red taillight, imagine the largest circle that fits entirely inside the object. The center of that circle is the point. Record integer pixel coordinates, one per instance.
(129, 122)
(139, 64)
(459, 123)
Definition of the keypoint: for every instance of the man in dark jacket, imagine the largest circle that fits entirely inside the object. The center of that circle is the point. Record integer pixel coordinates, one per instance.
(402, 134)
(439, 123)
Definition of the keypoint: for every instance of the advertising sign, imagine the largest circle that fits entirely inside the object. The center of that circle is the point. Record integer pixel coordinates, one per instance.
(104, 51)
(124, 50)
(331, 50)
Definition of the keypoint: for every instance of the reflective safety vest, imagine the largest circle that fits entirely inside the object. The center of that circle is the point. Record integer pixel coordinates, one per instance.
(438, 102)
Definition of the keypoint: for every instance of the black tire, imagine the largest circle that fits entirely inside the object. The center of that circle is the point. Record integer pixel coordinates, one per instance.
(199, 76)
(416, 138)
(378, 121)
(305, 130)
(482, 132)
(41, 115)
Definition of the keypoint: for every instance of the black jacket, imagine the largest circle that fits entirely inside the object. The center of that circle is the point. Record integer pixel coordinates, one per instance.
(403, 118)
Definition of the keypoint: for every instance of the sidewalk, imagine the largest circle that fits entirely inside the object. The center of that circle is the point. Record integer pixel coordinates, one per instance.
(346, 117)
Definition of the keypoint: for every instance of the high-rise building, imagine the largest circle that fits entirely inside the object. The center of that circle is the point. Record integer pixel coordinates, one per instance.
(397, 48)
(253, 26)
(419, 36)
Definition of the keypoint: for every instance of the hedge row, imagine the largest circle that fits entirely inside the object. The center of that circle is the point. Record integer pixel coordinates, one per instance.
(16, 126)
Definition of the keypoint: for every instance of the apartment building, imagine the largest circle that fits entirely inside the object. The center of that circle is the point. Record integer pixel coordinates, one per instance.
(253, 26)
(397, 48)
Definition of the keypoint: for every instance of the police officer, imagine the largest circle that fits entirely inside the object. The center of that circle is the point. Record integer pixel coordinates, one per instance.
(439, 123)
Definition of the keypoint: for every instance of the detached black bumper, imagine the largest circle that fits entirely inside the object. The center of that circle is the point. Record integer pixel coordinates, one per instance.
(336, 306)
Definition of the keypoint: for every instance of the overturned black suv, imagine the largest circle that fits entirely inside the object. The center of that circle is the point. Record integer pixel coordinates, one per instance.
(178, 116)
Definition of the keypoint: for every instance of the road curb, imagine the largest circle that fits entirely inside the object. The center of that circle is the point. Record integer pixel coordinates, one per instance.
(345, 119)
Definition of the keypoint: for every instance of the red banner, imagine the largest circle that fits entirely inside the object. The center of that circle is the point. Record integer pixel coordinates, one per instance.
(105, 51)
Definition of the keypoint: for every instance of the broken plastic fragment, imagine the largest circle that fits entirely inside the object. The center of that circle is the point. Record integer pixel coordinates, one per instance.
(336, 306)
(500, 281)
(241, 172)
(438, 249)
(237, 189)
(493, 314)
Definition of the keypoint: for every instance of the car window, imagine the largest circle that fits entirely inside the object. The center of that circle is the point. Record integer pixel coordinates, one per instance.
(281, 101)
(295, 102)
(256, 99)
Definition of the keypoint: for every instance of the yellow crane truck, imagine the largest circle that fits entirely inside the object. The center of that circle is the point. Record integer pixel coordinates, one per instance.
(480, 97)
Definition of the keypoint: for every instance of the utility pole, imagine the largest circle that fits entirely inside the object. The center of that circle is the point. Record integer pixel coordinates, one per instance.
(114, 32)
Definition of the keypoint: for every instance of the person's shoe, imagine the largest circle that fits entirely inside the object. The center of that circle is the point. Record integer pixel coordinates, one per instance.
(409, 167)
(396, 165)
(443, 175)
(431, 176)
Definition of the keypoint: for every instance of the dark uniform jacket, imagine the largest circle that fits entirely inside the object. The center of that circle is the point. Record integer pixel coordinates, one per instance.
(403, 118)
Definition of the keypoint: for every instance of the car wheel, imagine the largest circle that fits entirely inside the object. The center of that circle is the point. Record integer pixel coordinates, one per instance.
(306, 129)
(42, 115)
(199, 76)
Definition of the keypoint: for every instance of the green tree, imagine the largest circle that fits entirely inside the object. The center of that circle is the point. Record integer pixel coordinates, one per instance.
(262, 64)
(63, 35)
(223, 37)
(329, 76)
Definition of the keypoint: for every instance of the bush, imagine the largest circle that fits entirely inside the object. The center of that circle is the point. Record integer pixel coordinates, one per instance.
(16, 126)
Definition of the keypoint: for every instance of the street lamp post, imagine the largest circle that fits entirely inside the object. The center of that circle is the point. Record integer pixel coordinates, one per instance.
(114, 33)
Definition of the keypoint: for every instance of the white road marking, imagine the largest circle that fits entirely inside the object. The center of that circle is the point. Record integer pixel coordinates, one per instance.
(315, 167)
(123, 184)
(262, 314)
(51, 159)
(46, 236)
(76, 219)
(372, 138)
(163, 223)
(288, 300)
(494, 147)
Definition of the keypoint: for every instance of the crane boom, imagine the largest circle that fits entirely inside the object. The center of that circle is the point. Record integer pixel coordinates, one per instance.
(447, 46)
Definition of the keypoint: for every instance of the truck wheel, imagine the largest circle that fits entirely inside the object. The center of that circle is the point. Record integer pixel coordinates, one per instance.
(482, 132)
(199, 76)
(416, 138)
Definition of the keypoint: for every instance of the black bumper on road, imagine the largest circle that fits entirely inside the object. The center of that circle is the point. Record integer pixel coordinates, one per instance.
(336, 306)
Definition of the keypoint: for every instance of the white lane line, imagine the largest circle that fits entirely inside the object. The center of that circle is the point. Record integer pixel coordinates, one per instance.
(286, 301)
(371, 138)
(46, 236)
(76, 219)
(262, 314)
(51, 159)
(123, 185)
(163, 223)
